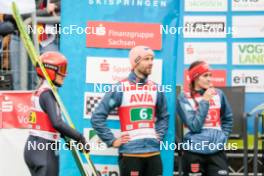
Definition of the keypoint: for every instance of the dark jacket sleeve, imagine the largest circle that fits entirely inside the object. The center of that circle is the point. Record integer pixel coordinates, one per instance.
(193, 119)
(110, 101)
(162, 115)
(49, 105)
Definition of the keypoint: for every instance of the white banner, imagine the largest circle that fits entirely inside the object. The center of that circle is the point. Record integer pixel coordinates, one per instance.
(12, 142)
(248, 26)
(97, 146)
(205, 5)
(248, 5)
(204, 26)
(111, 70)
(24, 6)
(211, 52)
(248, 53)
(253, 80)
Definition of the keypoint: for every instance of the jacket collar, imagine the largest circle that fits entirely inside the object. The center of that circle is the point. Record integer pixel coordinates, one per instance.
(132, 77)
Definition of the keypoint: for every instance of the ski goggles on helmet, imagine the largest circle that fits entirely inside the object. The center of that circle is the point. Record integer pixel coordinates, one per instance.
(59, 69)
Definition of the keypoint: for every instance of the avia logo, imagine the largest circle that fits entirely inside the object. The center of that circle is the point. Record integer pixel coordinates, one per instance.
(190, 49)
(107, 172)
(245, 79)
(251, 48)
(141, 98)
(104, 66)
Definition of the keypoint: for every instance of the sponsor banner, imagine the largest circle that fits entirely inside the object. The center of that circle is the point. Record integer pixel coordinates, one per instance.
(111, 70)
(218, 79)
(204, 27)
(205, 5)
(211, 52)
(91, 101)
(248, 5)
(123, 35)
(105, 169)
(248, 26)
(248, 53)
(253, 80)
(14, 109)
(97, 146)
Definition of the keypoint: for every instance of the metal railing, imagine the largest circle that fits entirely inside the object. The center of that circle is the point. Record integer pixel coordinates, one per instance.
(23, 68)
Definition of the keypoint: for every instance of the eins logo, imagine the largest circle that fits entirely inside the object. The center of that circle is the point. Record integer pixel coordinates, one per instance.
(243, 79)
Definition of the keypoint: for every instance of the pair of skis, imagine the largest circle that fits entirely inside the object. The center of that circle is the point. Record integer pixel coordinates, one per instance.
(34, 57)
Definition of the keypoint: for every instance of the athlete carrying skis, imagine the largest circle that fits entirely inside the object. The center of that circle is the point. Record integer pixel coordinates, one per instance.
(45, 120)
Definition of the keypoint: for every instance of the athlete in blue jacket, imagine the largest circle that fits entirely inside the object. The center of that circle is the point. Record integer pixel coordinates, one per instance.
(207, 119)
(143, 118)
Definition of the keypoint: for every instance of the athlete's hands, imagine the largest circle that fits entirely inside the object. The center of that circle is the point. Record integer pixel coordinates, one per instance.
(84, 145)
(51, 7)
(208, 94)
(121, 140)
